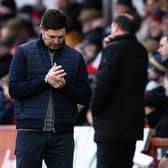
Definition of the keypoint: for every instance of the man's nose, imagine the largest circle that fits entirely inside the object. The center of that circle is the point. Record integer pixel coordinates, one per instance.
(56, 40)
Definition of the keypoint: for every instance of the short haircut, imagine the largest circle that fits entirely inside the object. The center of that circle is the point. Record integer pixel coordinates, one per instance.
(165, 36)
(54, 19)
(126, 22)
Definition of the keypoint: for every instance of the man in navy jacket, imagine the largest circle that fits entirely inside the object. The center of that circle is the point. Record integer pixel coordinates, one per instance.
(47, 79)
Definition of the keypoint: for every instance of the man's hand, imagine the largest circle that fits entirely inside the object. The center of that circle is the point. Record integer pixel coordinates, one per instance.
(55, 76)
(59, 84)
(106, 41)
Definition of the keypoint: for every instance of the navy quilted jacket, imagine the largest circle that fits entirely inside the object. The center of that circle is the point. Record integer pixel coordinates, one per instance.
(26, 84)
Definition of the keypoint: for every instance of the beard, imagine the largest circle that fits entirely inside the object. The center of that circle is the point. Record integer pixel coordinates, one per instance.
(55, 47)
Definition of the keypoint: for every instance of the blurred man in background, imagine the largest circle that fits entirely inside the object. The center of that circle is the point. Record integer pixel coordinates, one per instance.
(118, 103)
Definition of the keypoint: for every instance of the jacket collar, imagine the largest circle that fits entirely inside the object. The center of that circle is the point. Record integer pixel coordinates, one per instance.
(123, 37)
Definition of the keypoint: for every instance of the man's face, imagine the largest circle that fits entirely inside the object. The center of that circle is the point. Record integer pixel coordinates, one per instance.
(119, 8)
(53, 39)
(62, 4)
(164, 26)
(163, 48)
(151, 6)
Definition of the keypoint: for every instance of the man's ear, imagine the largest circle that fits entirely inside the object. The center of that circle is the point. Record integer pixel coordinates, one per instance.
(114, 27)
(117, 27)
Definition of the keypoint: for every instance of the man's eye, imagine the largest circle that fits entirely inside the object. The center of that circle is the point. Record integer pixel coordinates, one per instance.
(59, 37)
(52, 37)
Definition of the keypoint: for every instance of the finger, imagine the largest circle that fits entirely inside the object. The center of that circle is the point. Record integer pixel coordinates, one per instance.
(57, 67)
(61, 75)
(60, 85)
(55, 84)
(59, 72)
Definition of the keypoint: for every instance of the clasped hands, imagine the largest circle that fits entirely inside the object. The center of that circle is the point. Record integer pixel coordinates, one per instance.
(55, 76)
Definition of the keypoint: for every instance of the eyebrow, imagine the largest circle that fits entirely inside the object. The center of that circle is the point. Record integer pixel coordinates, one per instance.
(53, 36)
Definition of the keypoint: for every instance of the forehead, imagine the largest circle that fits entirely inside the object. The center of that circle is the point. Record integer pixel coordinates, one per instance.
(59, 32)
(163, 40)
(150, 2)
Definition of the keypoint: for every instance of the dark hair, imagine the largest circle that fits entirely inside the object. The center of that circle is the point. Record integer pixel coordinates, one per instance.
(54, 19)
(126, 22)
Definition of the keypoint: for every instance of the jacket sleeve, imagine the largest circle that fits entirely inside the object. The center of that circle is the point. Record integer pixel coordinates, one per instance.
(79, 92)
(19, 85)
(106, 80)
